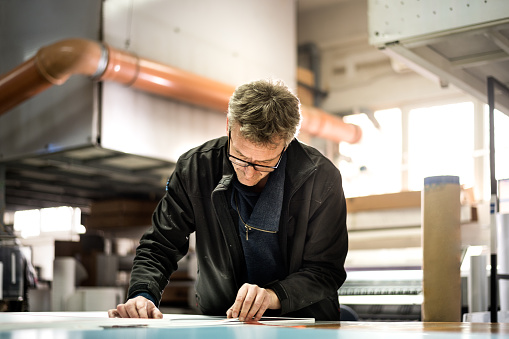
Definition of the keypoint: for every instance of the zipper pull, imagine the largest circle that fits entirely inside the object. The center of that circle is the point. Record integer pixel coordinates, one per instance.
(247, 232)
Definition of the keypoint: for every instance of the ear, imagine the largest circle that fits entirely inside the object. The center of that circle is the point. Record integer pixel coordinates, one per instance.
(226, 125)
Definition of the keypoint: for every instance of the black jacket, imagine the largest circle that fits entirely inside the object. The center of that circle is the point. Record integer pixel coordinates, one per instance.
(312, 233)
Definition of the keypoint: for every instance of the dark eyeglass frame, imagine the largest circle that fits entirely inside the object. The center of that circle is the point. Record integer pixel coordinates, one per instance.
(242, 163)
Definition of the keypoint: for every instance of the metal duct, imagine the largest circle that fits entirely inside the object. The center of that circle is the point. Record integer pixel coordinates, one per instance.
(55, 63)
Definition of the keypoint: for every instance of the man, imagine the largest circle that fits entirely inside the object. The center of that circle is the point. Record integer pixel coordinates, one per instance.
(269, 215)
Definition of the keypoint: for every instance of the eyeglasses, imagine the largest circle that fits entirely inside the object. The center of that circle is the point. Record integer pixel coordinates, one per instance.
(242, 163)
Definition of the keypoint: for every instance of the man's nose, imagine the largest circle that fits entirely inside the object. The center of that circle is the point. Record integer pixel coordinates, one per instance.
(249, 171)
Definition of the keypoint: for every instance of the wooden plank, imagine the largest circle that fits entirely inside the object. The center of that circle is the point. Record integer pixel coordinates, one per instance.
(384, 201)
(462, 328)
(116, 206)
(118, 220)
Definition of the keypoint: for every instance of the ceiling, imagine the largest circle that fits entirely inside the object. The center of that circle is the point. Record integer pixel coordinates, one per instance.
(78, 177)
(449, 42)
(463, 59)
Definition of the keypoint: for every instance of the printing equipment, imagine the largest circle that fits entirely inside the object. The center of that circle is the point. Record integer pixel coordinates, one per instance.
(388, 295)
(12, 275)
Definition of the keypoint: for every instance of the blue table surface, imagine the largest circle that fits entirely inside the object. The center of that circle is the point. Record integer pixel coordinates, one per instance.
(29, 326)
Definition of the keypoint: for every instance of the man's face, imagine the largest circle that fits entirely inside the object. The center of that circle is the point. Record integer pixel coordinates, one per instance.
(256, 154)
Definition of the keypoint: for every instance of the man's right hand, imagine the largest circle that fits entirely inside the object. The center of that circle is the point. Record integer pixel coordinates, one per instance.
(138, 307)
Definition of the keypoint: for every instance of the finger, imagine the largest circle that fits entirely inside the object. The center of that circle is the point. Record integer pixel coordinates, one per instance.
(229, 313)
(132, 307)
(122, 311)
(248, 301)
(113, 314)
(141, 306)
(237, 305)
(259, 304)
(262, 309)
(154, 312)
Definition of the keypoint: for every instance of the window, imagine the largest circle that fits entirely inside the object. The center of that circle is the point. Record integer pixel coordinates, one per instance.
(501, 145)
(373, 165)
(411, 145)
(28, 223)
(441, 142)
(32, 223)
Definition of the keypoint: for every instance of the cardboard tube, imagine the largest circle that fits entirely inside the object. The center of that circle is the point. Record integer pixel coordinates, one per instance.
(441, 243)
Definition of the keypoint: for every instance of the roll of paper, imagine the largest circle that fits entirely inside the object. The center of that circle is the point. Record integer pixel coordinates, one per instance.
(478, 284)
(441, 244)
(64, 282)
(503, 259)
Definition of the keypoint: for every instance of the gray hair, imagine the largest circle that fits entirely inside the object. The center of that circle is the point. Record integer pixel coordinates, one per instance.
(266, 111)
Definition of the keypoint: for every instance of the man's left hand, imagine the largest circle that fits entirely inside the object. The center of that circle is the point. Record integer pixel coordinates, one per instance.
(251, 303)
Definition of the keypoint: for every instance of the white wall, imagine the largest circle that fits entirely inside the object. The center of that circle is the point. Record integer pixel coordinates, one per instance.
(230, 41)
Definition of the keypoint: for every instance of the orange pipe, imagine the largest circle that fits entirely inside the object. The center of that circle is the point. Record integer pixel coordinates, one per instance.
(20, 84)
(167, 81)
(54, 64)
(320, 123)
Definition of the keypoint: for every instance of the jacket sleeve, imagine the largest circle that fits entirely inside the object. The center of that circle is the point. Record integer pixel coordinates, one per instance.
(165, 242)
(322, 245)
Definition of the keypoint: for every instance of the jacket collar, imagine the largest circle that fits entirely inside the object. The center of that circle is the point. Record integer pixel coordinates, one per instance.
(228, 171)
(299, 165)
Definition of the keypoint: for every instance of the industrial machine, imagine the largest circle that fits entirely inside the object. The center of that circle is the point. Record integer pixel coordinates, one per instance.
(387, 295)
(16, 275)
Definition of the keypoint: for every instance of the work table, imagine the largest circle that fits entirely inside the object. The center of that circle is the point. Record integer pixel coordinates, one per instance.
(85, 325)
